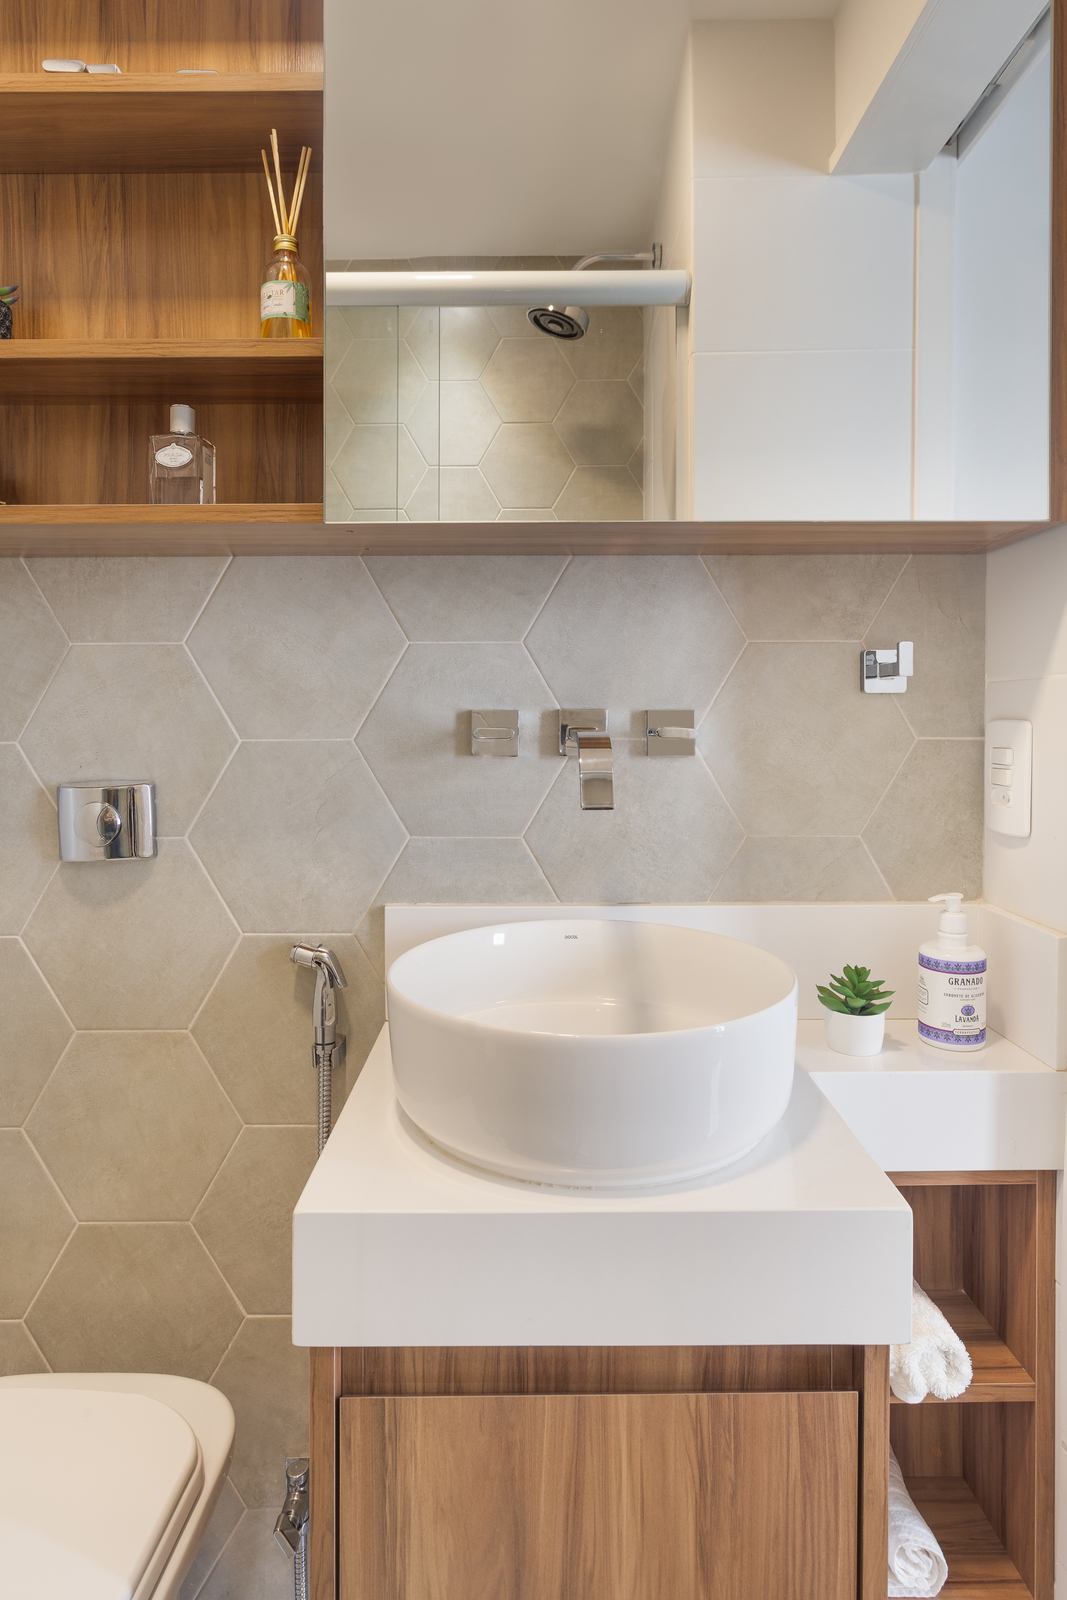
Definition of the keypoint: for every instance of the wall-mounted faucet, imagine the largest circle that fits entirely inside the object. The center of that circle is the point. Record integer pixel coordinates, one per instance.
(584, 733)
(328, 1050)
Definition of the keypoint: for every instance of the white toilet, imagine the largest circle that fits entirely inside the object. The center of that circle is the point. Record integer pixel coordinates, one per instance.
(108, 1482)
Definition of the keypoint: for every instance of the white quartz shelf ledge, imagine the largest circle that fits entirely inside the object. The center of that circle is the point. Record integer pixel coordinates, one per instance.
(805, 1241)
(915, 1108)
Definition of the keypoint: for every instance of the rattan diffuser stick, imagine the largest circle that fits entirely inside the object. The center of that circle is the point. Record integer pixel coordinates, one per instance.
(285, 220)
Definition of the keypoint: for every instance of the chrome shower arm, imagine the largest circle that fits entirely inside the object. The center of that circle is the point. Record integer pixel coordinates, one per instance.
(655, 256)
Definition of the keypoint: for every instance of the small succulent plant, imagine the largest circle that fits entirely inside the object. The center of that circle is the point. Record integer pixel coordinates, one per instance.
(855, 993)
(9, 293)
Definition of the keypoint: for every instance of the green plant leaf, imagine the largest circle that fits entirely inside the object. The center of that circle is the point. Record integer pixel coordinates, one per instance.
(874, 1011)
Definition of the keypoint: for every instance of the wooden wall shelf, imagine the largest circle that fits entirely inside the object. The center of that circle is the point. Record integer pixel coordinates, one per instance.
(998, 1375)
(979, 1566)
(236, 370)
(35, 536)
(981, 1468)
(154, 122)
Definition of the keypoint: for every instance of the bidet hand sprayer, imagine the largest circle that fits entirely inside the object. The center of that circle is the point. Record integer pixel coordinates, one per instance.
(328, 1050)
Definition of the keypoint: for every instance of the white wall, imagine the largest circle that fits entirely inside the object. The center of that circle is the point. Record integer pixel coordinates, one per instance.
(1001, 311)
(1026, 672)
(802, 296)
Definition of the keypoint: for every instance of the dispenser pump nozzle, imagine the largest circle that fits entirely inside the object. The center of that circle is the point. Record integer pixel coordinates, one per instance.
(953, 919)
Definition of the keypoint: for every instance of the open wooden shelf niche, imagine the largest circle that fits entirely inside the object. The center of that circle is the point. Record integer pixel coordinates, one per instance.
(137, 225)
(981, 1468)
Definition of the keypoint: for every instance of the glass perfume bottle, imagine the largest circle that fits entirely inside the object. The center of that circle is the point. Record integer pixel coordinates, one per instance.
(181, 465)
(285, 294)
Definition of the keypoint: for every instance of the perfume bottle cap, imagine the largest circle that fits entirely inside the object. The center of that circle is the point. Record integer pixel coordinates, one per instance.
(284, 241)
(182, 419)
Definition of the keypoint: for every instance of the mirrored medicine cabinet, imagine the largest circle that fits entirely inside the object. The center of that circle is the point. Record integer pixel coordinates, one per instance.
(864, 347)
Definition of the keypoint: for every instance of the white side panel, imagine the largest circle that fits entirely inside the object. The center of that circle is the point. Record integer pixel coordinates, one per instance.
(808, 263)
(1001, 411)
(803, 436)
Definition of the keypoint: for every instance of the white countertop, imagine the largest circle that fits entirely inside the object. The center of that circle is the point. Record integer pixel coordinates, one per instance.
(915, 1108)
(805, 1241)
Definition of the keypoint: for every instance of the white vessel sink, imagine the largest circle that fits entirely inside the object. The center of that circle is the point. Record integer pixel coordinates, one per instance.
(592, 1053)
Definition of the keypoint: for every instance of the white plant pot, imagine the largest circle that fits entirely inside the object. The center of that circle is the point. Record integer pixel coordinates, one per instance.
(855, 1036)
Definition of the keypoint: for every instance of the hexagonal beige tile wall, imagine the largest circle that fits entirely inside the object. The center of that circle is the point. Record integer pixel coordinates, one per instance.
(316, 672)
(134, 1297)
(585, 640)
(28, 846)
(126, 599)
(32, 644)
(298, 835)
(153, 1158)
(136, 710)
(132, 1125)
(33, 1033)
(135, 944)
(253, 1027)
(37, 1223)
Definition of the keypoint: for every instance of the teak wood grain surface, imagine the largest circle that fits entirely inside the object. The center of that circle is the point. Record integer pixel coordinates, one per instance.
(599, 1497)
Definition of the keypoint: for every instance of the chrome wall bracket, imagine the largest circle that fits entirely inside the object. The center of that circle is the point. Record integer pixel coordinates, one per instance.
(670, 733)
(494, 733)
(887, 671)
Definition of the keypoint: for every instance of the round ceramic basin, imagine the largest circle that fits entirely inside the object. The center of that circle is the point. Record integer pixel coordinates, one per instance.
(592, 1053)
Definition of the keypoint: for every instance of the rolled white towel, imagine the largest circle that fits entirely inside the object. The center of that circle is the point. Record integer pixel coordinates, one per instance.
(935, 1362)
(917, 1564)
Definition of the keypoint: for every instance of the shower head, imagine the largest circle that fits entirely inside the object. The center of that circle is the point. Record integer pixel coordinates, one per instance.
(571, 322)
(562, 322)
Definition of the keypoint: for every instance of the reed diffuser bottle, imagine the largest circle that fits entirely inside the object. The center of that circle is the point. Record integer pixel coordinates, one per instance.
(285, 293)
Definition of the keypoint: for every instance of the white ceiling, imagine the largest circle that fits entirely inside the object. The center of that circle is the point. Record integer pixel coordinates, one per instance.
(486, 127)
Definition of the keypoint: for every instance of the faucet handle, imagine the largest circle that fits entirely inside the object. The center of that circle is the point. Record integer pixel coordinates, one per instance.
(572, 723)
(670, 733)
(308, 955)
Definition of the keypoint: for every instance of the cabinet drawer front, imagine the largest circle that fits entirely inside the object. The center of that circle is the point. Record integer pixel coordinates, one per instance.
(599, 1497)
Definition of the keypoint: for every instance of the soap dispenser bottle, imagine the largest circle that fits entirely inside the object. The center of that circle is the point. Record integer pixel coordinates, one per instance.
(952, 976)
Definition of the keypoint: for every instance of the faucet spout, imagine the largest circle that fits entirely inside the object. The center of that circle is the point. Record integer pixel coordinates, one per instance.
(596, 772)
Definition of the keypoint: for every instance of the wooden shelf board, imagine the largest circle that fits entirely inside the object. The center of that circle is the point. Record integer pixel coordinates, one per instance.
(34, 536)
(979, 1567)
(155, 122)
(998, 1376)
(235, 370)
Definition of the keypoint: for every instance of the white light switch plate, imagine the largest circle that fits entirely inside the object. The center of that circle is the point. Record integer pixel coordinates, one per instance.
(1007, 809)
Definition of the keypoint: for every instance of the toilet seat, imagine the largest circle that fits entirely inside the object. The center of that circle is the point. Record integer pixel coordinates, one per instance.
(109, 1481)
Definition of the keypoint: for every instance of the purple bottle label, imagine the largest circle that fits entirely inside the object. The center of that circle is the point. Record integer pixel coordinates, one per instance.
(946, 1035)
(933, 964)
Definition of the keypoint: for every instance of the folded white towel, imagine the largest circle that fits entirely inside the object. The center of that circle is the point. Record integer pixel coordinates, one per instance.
(917, 1565)
(936, 1360)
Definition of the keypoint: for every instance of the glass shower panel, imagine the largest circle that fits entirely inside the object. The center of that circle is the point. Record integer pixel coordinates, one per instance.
(383, 368)
(469, 414)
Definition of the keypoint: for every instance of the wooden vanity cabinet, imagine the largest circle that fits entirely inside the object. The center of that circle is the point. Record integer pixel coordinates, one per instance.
(598, 1474)
(706, 1473)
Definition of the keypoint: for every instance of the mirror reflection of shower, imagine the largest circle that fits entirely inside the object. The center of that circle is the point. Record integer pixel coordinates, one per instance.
(444, 403)
(572, 322)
